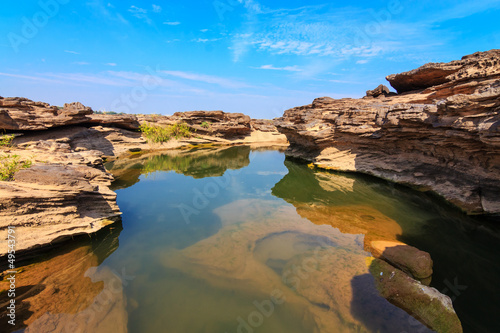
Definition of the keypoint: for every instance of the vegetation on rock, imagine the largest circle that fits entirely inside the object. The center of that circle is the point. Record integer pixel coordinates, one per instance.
(158, 134)
(10, 164)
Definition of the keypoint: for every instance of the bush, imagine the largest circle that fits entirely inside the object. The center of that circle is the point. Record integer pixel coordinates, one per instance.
(205, 124)
(6, 140)
(180, 130)
(10, 164)
(158, 134)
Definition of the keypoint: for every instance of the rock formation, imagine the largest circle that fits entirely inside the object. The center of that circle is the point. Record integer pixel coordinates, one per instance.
(66, 191)
(23, 114)
(444, 138)
(380, 90)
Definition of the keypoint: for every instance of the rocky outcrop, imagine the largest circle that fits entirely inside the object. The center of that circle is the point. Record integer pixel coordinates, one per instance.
(437, 139)
(426, 304)
(218, 122)
(48, 203)
(474, 67)
(126, 121)
(380, 90)
(23, 114)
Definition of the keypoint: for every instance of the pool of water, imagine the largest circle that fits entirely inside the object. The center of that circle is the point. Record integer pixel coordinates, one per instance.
(243, 240)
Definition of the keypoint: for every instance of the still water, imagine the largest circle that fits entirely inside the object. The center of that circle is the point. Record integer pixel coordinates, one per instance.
(243, 240)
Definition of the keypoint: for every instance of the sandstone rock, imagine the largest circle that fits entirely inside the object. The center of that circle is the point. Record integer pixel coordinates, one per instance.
(471, 67)
(51, 202)
(24, 114)
(424, 303)
(380, 90)
(449, 145)
(218, 123)
(263, 125)
(417, 264)
(126, 121)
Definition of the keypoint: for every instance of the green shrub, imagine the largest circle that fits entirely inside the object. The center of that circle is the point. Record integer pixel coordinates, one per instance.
(6, 140)
(180, 130)
(158, 134)
(205, 124)
(10, 164)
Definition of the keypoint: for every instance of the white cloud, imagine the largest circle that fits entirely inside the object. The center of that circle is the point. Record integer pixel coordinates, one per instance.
(205, 40)
(361, 62)
(286, 68)
(223, 82)
(81, 63)
(204, 30)
(172, 23)
(157, 9)
(99, 8)
(140, 13)
(111, 64)
(73, 52)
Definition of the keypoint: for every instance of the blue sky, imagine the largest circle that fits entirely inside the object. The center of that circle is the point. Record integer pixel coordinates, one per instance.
(252, 56)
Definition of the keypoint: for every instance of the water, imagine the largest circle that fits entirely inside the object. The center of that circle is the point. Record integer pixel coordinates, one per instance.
(242, 240)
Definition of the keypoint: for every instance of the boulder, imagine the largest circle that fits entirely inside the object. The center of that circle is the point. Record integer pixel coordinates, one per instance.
(380, 90)
(424, 303)
(414, 262)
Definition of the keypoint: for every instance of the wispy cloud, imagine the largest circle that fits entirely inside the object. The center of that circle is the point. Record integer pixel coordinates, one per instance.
(361, 62)
(172, 23)
(204, 30)
(343, 32)
(223, 82)
(157, 9)
(72, 52)
(81, 63)
(205, 40)
(140, 13)
(111, 64)
(286, 68)
(31, 78)
(106, 11)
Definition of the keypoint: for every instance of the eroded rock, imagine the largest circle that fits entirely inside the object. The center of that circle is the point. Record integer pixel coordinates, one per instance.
(422, 302)
(414, 262)
(436, 139)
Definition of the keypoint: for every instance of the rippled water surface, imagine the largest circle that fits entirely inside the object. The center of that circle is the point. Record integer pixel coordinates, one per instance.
(242, 240)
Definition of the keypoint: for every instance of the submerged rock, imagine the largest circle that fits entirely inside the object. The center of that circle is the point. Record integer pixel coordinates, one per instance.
(424, 303)
(412, 261)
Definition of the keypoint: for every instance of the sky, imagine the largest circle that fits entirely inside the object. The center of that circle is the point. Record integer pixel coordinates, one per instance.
(258, 57)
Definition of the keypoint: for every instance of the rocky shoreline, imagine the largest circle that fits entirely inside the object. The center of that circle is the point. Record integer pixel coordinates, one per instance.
(440, 133)
(66, 190)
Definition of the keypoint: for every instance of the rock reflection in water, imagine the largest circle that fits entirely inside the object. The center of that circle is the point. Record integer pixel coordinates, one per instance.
(67, 292)
(264, 246)
(197, 163)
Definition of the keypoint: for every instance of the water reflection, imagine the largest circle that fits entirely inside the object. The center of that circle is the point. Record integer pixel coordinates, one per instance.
(66, 292)
(197, 163)
(240, 240)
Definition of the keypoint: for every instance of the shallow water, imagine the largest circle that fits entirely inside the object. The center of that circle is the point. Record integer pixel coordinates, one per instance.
(242, 240)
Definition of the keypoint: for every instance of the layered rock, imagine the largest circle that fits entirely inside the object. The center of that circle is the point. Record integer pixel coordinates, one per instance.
(425, 303)
(23, 114)
(474, 67)
(217, 122)
(437, 139)
(50, 202)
